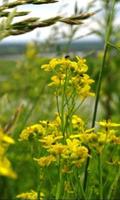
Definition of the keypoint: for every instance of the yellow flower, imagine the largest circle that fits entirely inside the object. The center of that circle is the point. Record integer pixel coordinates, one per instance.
(72, 144)
(2, 150)
(85, 91)
(57, 80)
(108, 124)
(55, 62)
(77, 122)
(57, 120)
(6, 169)
(5, 165)
(28, 195)
(32, 130)
(50, 66)
(82, 67)
(86, 137)
(79, 152)
(102, 138)
(58, 149)
(45, 160)
(47, 140)
(72, 74)
(5, 138)
(86, 79)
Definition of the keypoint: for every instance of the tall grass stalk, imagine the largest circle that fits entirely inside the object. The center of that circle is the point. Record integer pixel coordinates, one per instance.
(106, 47)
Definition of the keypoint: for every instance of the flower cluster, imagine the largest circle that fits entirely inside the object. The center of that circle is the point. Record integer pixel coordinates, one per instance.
(32, 195)
(32, 130)
(73, 147)
(65, 143)
(5, 165)
(54, 145)
(70, 75)
(104, 134)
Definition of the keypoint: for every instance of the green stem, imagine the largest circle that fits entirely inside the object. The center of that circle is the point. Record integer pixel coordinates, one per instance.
(38, 193)
(60, 182)
(57, 101)
(100, 176)
(63, 105)
(82, 191)
(114, 185)
(86, 171)
(107, 38)
(99, 85)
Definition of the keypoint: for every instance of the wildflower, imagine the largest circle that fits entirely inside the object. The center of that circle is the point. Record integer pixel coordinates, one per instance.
(6, 169)
(72, 144)
(80, 152)
(82, 67)
(76, 153)
(77, 122)
(56, 80)
(71, 74)
(28, 195)
(50, 66)
(5, 165)
(45, 160)
(85, 91)
(48, 140)
(108, 124)
(86, 79)
(75, 148)
(58, 149)
(5, 138)
(55, 62)
(2, 150)
(102, 138)
(36, 129)
(57, 120)
(114, 139)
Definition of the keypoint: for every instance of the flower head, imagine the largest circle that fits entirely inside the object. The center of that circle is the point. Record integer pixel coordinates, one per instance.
(45, 160)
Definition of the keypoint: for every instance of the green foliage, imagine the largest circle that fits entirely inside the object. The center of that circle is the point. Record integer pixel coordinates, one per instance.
(24, 84)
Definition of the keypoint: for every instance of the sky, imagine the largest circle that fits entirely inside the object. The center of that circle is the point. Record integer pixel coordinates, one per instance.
(63, 8)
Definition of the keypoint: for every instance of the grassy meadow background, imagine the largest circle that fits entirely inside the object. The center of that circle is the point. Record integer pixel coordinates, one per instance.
(25, 99)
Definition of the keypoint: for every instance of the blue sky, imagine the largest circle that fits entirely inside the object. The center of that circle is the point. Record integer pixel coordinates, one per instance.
(63, 8)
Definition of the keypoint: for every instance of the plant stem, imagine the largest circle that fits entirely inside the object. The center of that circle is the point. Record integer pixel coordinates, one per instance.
(114, 185)
(60, 182)
(106, 46)
(79, 189)
(86, 171)
(63, 106)
(99, 85)
(100, 176)
(82, 191)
